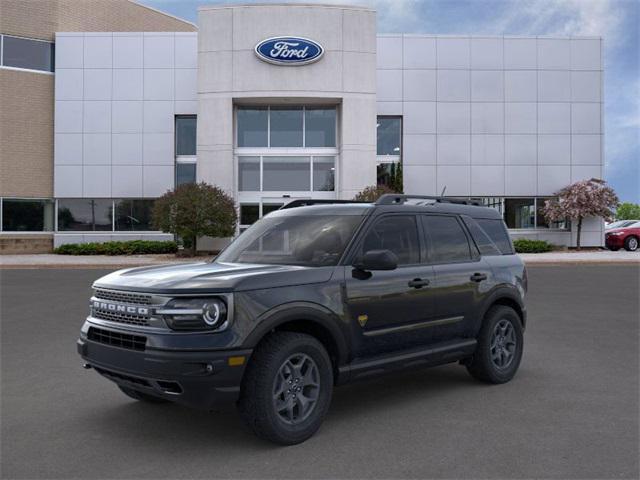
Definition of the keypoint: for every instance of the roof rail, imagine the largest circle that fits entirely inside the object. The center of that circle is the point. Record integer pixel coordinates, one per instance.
(310, 201)
(399, 199)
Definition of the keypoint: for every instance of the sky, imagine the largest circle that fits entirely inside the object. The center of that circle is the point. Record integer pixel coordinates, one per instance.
(617, 21)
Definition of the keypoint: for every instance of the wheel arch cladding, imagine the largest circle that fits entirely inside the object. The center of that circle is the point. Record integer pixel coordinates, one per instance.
(321, 325)
(508, 302)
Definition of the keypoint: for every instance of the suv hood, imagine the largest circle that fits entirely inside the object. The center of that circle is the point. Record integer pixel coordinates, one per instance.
(212, 277)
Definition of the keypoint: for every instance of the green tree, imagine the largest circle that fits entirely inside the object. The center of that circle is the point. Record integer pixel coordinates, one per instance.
(195, 210)
(628, 211)
(372, 193)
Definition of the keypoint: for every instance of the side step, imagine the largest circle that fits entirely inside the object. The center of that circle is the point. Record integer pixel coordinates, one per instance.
(437, 354)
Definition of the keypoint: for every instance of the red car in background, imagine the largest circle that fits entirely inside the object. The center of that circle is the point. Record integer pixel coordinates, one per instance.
(626, 237)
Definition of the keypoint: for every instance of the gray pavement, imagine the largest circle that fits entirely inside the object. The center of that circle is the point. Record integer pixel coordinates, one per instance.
(571, 412)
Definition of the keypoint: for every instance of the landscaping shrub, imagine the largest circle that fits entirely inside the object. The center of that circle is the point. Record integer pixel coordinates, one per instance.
(132, 247)
(524, 245)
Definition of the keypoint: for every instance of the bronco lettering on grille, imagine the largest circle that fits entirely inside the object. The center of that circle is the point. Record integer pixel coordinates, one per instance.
(114, 307)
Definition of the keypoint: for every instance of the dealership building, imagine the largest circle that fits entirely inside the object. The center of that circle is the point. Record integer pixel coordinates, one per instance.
(280, 102)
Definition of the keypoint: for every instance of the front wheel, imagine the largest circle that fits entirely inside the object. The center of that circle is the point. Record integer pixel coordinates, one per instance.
(631, 244)
(287, 388)
(500, 344)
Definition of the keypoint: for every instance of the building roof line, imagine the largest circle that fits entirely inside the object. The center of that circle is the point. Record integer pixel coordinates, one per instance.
(136, 2)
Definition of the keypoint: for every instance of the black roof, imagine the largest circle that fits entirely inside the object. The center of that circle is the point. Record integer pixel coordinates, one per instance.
(390, 203)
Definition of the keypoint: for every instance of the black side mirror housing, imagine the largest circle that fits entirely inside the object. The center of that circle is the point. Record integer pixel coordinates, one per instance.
(377, 260)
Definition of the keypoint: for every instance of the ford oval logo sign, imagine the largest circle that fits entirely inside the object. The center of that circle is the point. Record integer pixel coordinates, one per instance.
(289, 51)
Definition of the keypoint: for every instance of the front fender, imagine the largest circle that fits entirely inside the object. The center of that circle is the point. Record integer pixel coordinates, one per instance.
(308, 311)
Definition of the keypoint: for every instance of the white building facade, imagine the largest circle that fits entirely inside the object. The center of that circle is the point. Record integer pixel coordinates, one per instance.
(506, 120)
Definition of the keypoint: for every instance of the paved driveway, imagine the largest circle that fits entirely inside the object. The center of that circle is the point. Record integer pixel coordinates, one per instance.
(571, 412)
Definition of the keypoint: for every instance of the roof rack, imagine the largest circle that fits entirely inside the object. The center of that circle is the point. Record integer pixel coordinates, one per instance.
(310, 201)
(399, 199)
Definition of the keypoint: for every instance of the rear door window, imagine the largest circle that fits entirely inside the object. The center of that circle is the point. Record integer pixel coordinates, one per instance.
(448, 242)
(497, 232)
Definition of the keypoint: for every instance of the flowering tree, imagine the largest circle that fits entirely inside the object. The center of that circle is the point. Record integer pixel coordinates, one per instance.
(372, 193)
(195, 210)
(586, 198)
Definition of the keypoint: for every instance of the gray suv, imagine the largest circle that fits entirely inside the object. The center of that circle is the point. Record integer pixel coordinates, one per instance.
(314, 295)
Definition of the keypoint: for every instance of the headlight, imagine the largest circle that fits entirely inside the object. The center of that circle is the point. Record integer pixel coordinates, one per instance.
(616, 233)
(194, 313)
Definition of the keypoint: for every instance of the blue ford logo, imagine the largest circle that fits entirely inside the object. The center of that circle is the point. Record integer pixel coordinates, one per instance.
(289, 50)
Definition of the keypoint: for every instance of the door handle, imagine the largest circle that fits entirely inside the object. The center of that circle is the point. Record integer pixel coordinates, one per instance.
(478, 277)
(418, 283)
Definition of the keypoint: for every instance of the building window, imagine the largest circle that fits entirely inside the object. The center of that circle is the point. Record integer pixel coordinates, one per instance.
(519, 212)
(249, 213)
(82, 214)
(133, 215)
(186, 161)
(543, 222)
(389, 152)
(26, 53)
(27, 215)
(186, 135)
(286, 127)
(271, 173)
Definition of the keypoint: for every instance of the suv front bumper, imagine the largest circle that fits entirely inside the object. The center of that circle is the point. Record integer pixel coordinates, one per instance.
(199, 379)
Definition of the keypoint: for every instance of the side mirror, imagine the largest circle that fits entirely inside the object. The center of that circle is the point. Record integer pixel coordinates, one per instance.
(377, 260)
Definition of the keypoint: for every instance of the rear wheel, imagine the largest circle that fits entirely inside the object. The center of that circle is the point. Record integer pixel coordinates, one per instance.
(287, 388)
(141, 396)
(500, 346)
(631, 244)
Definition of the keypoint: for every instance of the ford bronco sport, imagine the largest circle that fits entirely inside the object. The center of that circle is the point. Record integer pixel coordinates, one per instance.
(314, 295)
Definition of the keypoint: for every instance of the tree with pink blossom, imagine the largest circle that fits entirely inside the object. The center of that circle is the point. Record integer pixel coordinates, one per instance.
(586, 198)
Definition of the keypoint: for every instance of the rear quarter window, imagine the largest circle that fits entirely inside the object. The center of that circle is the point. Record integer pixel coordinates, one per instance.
(497, 232)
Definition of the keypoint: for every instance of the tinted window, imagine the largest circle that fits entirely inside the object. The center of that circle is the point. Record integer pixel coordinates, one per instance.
(185, 173)
(398, 234)
(133, 215)
(84, 214)
(389, 133)
(519, 212)
(253, 127)
(497, 233)
(448, 242)
(186, 135)
(286, 173)
(323, 174)
(249, 213)
(25, 53)
(286, 127)
(320, 127)
(27, 215)
(248, 174)
(484, 243)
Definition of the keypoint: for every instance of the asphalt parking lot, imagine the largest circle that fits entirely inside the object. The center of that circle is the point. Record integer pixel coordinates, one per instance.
(571, 412)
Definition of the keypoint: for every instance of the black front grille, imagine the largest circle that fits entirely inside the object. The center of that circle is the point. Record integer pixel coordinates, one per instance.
(127, 318)
(117, 339)
(124, 297)
(115, 376)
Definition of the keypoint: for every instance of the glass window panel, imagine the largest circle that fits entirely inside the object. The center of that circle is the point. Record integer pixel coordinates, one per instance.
(270, 207)
(285, 124)
(519, 212)
(390, 175)
(542, 221)
(26, 53)
(398, 234)
(249, 174)
(447, 240)
(389, 132)
(249, 213)
(186, 135)
(252, 126)
(497, 232)
(84, 214)
(485, 244)
(286, 174)
(320, 127)
(324, 169)
(134, 215)
(185, 173)
(22, 215)
(492, 202)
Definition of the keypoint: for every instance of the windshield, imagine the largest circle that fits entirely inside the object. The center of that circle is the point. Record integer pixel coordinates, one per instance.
(621, 224)
(311, 240)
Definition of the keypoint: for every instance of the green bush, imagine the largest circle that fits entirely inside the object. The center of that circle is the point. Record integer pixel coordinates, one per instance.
(524, 245)
(132, 247)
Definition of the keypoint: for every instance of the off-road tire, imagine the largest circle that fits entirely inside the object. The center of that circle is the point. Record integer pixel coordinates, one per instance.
(141, 396)
(256, 404)
(631, 243)
(482, 366)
